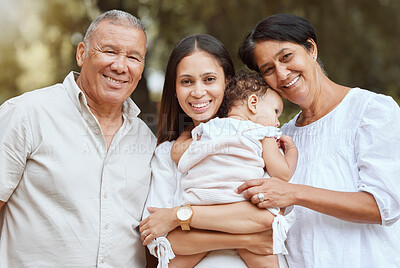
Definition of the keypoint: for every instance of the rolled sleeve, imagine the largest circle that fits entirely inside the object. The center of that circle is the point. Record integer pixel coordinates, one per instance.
(162, 194)
(378, 155)
(14, 148)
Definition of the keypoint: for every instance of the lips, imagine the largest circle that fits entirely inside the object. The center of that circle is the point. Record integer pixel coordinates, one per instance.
(291, 83)
(200, 106)
(113, 80)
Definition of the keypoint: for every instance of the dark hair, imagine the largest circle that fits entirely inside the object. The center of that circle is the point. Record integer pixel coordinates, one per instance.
(171, 117)
(278, 27)
(239, 89)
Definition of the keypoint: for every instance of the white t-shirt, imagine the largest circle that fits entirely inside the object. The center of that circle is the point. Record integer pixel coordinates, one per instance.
(356, 147)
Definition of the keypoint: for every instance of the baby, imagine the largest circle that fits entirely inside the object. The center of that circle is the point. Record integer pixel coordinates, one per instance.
(218, 156)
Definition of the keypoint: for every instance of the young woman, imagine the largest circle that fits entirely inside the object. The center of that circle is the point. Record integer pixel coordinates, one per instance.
(198, 70)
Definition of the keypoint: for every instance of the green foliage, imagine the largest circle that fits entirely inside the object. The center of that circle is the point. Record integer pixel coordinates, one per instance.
(358, 40)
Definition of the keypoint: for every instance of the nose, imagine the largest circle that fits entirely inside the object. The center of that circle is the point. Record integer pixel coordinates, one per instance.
(198, 91)
(281, 71)
(277, 123)
(119, 64)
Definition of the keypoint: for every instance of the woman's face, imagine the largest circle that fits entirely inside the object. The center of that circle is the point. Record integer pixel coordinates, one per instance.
(288, 68)
(200, 85)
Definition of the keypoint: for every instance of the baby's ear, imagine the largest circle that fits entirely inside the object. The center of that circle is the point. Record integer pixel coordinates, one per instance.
(252, 103)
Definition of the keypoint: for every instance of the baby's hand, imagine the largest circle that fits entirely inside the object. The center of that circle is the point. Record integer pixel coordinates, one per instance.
(286, 143)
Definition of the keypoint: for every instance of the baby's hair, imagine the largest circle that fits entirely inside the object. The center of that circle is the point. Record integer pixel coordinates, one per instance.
(239, 89)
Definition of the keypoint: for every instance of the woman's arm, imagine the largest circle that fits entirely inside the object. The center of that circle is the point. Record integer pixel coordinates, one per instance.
(242, 217)
(183, 241)
(377, 152)
(359, 207)
(278, 165)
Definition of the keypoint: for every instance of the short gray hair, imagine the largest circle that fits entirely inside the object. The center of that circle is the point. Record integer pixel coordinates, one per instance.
(116, 17)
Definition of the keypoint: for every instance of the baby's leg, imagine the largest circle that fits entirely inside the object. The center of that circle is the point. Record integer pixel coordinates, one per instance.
(186, 261)
(253, 260)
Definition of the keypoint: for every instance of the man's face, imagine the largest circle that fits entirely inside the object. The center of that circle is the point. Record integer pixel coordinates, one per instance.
(111, 64)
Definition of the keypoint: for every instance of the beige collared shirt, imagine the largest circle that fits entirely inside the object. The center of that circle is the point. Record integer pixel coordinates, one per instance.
(70, 202)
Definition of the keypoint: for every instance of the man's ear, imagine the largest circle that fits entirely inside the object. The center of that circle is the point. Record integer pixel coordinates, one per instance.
(252, 103)
(80, 53)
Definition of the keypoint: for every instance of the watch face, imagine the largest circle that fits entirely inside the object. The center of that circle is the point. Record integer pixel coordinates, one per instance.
(184, 213)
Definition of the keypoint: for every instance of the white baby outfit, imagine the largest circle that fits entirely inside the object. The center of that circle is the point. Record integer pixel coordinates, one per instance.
(228, 153)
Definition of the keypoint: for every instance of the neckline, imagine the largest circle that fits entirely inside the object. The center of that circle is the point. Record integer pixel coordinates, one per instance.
(351, 91)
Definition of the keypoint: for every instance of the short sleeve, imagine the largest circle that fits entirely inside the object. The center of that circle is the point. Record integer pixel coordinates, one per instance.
(262, 132)
(15, 140)
(378, 155)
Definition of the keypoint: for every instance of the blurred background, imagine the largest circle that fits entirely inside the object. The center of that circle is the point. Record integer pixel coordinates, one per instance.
(358, 40)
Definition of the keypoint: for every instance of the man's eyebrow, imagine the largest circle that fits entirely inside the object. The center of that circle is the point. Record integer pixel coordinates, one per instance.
(130, 52)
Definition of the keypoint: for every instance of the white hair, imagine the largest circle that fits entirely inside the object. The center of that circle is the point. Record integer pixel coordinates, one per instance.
(117, 17)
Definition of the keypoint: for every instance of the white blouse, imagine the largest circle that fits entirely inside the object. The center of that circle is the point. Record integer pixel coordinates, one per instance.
(356, 147)
(166, 192)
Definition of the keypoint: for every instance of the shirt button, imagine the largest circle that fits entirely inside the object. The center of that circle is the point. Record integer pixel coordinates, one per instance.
(102, 260)
(105, 195)
(106, 226)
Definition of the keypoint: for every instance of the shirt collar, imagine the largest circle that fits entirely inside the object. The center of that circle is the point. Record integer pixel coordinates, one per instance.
(129, 109)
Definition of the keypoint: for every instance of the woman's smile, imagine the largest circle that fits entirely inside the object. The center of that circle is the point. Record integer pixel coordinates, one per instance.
(200, 85)
(200, 106)
(291, 83)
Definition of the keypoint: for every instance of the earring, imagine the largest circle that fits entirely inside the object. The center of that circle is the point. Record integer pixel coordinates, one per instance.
(314, 57)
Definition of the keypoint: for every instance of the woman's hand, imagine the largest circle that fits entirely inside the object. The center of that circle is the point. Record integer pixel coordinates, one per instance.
(358, 207)
(277, 193)
(160, 222)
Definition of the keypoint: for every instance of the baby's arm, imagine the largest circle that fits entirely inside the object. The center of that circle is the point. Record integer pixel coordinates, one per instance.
(278, 165)
(180, 145)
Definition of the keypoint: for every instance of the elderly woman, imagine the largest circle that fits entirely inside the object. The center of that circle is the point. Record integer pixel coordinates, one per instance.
(346, 189)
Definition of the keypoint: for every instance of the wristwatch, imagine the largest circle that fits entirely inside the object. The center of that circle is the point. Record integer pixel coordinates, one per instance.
(184, 215)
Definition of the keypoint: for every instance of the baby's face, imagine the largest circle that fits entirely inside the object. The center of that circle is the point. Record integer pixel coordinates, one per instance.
(269, 109)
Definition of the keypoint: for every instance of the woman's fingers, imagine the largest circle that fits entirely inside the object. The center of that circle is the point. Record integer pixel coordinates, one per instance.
(160, 222)
(152, 209)
(258, 198)
(248, 184)
(147, 236)
(266, 193)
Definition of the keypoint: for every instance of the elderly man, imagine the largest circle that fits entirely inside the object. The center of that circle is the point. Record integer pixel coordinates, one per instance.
(74, 159)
